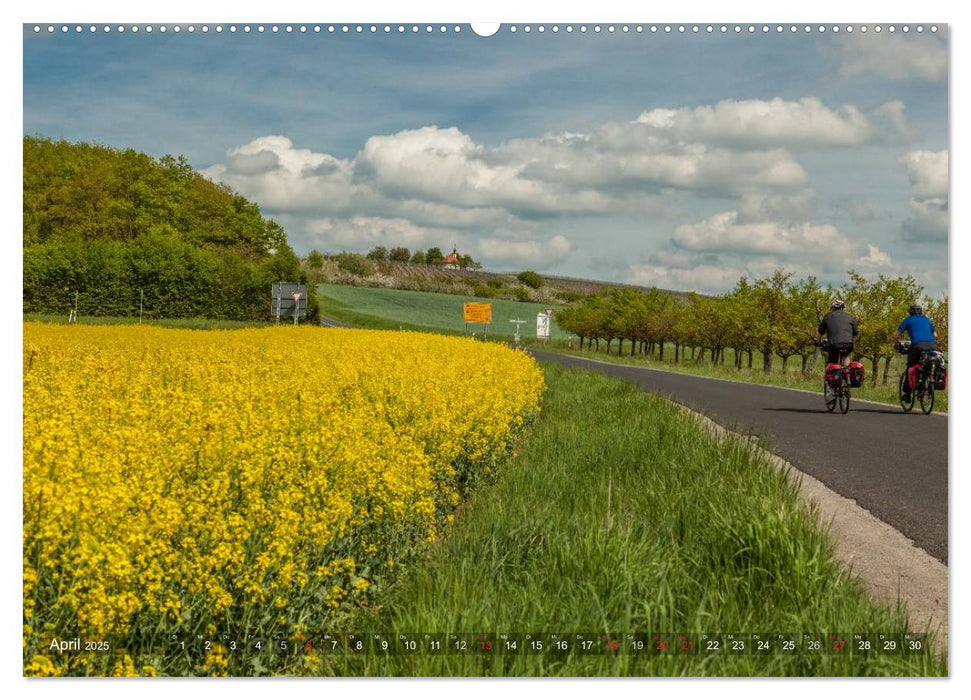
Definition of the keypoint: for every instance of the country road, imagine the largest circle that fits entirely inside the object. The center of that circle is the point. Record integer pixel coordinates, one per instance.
(892, 464)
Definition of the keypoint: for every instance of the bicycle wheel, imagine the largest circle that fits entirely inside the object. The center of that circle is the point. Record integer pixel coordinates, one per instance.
(905, 404)
(927, 398)
(830, 399)
(844, 398)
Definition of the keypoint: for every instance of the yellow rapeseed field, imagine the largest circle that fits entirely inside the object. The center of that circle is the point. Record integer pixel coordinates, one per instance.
(247, 480)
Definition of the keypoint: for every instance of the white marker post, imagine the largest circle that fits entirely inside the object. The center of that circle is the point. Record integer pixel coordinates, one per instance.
(518, 323)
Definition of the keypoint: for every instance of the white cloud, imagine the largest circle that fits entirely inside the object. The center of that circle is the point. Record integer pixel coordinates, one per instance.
(928, 173)
(712, 254)
(702, 278)
(897, 57)
(765, 124)
(524, 253)
(723, 233)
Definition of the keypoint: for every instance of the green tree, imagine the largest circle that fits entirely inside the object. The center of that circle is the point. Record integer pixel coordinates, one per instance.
(419, 257)
(315, 260)
(378, 253)
(399, 255)
(434, 255)
(769, 296)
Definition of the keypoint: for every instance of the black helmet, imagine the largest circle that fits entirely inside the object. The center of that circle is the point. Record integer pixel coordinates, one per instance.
(837, 305)
(915, 310)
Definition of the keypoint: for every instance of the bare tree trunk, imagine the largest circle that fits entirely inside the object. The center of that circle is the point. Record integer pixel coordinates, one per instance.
(598, 344)
(767, 359)
(886, 370)
(620, 347)
(677, 351)
(805, 359)
(660, 354)
(876, 368)
(750, 358)
(785, 362)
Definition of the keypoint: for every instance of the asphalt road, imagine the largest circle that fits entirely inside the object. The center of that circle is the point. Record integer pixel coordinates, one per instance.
(892, 464)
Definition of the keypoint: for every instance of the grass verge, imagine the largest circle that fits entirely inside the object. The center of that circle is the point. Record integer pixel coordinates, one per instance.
(620, 514)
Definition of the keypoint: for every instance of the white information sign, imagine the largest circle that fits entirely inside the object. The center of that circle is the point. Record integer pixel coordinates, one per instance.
(543, 326)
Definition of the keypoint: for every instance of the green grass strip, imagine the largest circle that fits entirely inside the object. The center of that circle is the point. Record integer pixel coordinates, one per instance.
(620, 514)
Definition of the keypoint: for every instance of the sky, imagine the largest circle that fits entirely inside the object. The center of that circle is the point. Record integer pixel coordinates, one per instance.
(681, 160)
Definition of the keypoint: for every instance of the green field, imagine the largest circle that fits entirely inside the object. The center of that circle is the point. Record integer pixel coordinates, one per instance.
(372, 307)
(620, 514)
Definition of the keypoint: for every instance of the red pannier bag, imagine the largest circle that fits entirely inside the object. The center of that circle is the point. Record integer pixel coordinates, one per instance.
(912, 376)
(833, 371)
(857, 373)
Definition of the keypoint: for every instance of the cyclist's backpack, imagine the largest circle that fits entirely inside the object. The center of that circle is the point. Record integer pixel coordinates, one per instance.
(857, 374)
(833, 374)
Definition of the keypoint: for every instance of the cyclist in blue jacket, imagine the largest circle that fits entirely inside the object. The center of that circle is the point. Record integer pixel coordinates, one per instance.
(923, 337)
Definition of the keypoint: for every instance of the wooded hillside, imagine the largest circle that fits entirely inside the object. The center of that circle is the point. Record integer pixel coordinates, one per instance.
(124, 230)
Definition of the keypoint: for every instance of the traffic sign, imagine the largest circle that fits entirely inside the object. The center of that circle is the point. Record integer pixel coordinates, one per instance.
(477, 312)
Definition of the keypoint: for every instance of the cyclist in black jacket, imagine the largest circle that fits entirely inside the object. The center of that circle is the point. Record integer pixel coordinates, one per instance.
(841, 330)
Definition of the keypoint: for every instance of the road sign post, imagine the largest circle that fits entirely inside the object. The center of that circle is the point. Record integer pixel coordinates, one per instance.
(288, 298)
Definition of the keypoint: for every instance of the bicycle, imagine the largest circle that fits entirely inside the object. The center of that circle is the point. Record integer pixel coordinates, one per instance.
(836, 385)
(929, 376)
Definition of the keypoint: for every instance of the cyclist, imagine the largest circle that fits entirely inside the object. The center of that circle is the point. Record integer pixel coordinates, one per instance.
(923, 337)
(841, 330)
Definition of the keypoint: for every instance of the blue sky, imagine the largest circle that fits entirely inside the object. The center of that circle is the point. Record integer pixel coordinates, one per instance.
(681, 160)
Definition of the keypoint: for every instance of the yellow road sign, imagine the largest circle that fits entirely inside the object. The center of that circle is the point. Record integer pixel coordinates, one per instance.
(475, 312)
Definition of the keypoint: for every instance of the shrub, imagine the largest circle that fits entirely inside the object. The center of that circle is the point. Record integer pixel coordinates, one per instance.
(481, 290)
(355, 264)
(530, 279)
